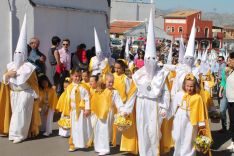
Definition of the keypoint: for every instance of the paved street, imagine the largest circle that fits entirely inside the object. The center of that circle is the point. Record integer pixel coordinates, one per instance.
(57, 146)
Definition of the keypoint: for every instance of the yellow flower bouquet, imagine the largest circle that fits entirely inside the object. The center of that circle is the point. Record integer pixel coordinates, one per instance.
(202, 143)
(65, 122)
(122, 122)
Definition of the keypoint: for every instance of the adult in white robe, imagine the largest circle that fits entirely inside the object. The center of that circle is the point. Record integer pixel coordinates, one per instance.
(22, 100)
(153, 98)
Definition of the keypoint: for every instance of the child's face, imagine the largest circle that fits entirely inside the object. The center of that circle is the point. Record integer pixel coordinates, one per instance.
(189, 87)
(45, 84)
(85, 77)
(109, 82)
(76, 77)
(93, 82)
(118, 69)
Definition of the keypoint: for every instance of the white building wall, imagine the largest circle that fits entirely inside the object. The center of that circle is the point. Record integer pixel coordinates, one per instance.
(5, 36)
(75, 25)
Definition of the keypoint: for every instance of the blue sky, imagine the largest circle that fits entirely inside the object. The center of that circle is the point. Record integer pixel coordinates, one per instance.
(220, 6)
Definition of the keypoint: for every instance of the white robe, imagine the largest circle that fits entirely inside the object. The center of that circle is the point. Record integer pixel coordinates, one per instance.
(181, 71)
(47, 121)
(103, 128)
(152, 97)
(98, 66)
(80, 129)
(22, 100)
(183, 133)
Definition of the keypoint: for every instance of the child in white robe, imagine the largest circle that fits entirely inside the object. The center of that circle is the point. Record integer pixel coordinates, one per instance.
(80, 113)
(190, 117)
(104, 105)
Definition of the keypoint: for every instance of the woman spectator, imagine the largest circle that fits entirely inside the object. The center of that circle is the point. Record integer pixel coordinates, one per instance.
(139, 62)
(79, 59)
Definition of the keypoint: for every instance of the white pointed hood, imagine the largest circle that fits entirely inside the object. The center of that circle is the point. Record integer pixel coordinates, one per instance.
(191, 43)
(169, 57)
(150, 50)
(21, 51)
(127, 49)
(226, 55)
(22, 41)
(181, 50)
(98, 49)
(23, 69)
(205, 55)
(199, 55)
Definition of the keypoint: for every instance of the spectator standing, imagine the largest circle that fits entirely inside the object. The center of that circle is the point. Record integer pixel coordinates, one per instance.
(139, 62)
(54, 57)
(223, 100)
(230, 97)
(62, 71)
(79, 59)
(36, 57)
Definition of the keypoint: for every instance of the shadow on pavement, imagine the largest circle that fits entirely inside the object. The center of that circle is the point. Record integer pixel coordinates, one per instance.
(220, 139)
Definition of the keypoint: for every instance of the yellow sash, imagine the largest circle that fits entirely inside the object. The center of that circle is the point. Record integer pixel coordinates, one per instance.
(101, 103)
(120, 86)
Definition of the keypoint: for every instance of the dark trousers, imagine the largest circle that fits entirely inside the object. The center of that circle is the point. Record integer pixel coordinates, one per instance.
(231, 116)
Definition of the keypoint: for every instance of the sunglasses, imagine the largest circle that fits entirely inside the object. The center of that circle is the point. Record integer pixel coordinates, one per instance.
(219, 60)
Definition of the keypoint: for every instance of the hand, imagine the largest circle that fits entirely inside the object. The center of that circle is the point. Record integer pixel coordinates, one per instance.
(11, 73)
(87, 113)
(54, 87)
(124, 114)
(42, 59)
(220, 94)
(163, 113)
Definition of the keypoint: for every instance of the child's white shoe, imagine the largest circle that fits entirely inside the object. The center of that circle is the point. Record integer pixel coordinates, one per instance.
(103, 153)
(16, 141)
(46, 134)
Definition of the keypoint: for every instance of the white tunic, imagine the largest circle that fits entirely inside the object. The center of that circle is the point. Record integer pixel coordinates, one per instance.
(97, 66)
(80, 129)
(103, 128)
(22, 100)
(152, 97)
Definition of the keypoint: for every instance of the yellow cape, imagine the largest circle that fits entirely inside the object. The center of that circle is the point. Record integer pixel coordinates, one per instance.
(129, 140)
(5, 107)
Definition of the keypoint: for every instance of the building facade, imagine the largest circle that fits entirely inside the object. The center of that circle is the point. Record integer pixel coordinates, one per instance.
(131, 10)
(179, 24)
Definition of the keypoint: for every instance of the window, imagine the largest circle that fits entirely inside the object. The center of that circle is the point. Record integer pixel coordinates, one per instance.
(206, 32)
(180, 30)
(172, 29)
(198, 16)
(168, 29)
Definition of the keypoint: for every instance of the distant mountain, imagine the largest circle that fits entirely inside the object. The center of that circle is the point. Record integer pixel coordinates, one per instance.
(219, 19)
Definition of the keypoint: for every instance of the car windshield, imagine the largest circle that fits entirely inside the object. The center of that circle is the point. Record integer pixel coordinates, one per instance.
(116, 42)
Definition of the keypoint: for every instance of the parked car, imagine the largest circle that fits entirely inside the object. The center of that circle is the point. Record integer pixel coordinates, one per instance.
(117, 43)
